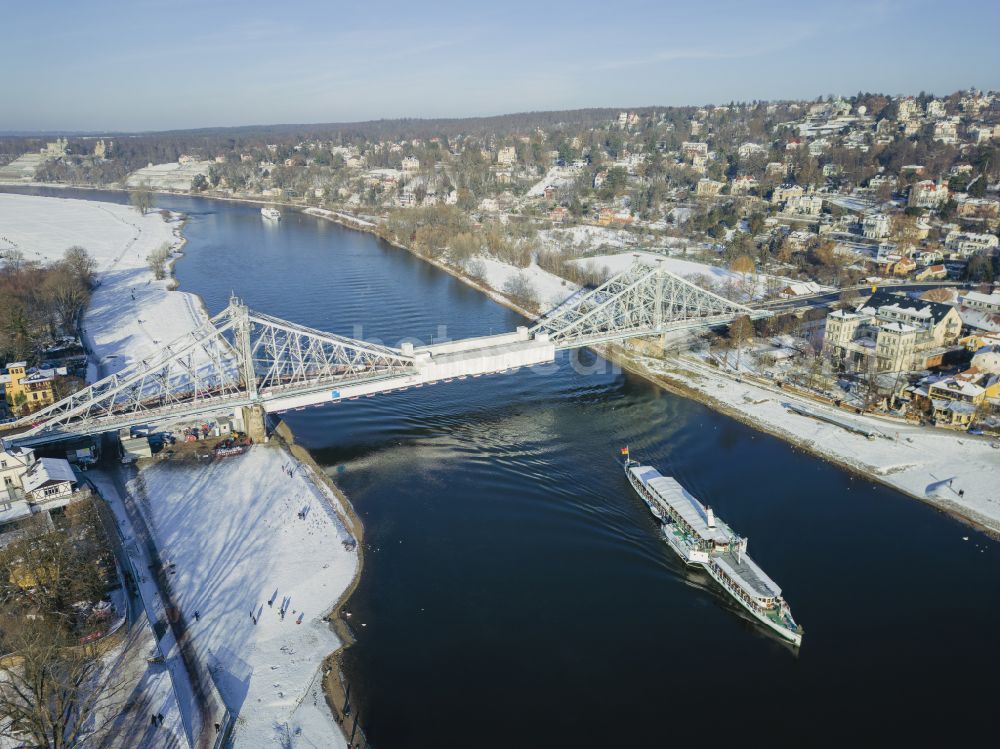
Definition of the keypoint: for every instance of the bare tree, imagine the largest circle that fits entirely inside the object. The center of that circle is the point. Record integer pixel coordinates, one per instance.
(141, 199)
(740, 331)
(51, 690)
(849, 298)
(81, 264)
(67, 295)
(521, 290)
(158, 261)
(13, 259)
(52, 687)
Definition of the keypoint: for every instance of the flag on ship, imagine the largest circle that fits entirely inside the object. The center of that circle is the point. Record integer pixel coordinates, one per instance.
(625, 451)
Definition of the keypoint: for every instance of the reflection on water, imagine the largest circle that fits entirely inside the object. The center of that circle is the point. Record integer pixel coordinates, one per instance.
(517, 593)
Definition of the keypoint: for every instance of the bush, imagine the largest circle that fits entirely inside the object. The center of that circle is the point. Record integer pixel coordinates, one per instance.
(520, 289)
(158, 261)
(475, 268)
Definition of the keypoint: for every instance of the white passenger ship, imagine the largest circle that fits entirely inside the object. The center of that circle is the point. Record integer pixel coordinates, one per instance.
(270, 213)
(701, 540)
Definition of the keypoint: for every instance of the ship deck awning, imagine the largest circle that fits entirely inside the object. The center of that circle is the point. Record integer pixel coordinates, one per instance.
(672, 494)
(748, 575)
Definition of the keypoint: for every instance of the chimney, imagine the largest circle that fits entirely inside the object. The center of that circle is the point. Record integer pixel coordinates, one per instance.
(709, 517)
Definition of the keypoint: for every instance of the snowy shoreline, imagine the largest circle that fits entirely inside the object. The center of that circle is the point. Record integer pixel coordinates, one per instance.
(204, 517)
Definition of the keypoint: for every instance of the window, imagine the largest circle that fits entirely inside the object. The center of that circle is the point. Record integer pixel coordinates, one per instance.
(7, 481)
(52, 490)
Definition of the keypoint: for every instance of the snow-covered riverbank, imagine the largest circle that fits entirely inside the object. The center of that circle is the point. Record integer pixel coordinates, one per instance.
(915, 460)
(231, 528)
(131, 314)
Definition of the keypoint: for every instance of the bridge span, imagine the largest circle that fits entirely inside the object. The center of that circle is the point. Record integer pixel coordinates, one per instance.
(241, 359)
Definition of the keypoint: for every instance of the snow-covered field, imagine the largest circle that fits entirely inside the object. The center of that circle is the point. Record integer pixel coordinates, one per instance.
(171, 176)
(232, 529)
(716, 277)
(912, 459)
(550, 289)
(557, 176)
(585, 238)
(117, 329)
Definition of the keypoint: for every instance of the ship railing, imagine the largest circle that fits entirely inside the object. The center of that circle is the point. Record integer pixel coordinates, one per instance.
(735, 589)
(675, 516)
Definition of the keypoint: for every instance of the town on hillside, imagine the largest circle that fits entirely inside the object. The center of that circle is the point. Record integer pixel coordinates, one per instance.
(868, 224)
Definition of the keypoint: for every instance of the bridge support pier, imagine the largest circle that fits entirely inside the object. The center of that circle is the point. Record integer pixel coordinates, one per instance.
(253, 421)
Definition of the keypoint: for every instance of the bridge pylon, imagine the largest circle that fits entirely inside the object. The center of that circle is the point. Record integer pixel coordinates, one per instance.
(640, 301)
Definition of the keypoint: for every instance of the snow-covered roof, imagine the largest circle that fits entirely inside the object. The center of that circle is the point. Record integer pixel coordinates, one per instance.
(980, 319)
(804, 287)
(748, 575)
(898, 327)
(976, 296)
(682, 502)
(916, 308)
(47, 472)
(962, 387)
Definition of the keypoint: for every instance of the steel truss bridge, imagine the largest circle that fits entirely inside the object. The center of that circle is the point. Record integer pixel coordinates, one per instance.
(244, 359)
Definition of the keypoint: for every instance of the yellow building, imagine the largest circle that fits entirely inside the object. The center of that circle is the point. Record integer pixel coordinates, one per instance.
(28, 391)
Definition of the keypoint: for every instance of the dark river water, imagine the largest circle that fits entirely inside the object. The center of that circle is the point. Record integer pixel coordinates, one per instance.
(516, 592)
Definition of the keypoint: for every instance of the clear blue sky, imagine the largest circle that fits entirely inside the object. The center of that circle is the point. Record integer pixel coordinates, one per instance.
(148, 65)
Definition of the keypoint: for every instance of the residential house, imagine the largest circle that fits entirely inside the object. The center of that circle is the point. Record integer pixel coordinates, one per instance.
(977, 207)
(691, 149)
(804, 205)
(14, 463)
(877, 226)
(708, 188)
(978, 300)
(559, 214)
(908, 109)
(743, 184)
(622, 217)
(49, 480)
(932, 273)
(970, 243)
(801, 288)
(936, 109)
(945, 131)
(819, 146)
(890, 332)
(928, 194)
(605, 215)
(27, 390)
(783, 192)
(507, 156)
(776, 169)
(955, 401)
(410, 164)
(904, 267)
(746, 150)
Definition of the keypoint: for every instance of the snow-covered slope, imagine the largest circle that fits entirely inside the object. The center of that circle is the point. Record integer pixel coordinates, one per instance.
(233, 531)
(131, 314)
